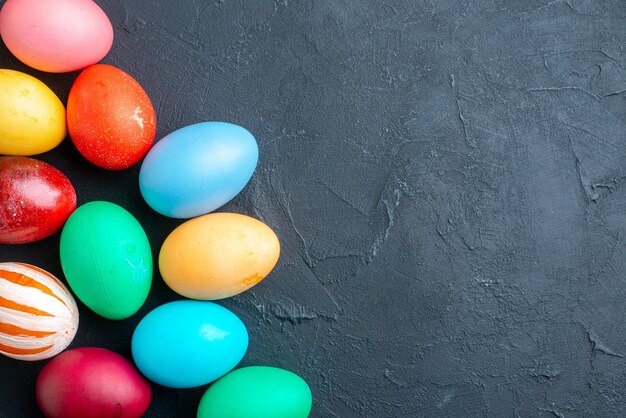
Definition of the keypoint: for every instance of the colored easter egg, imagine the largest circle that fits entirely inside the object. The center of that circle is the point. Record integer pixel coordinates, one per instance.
(218, 255)
(35, 200)
(56, 36)
(110, 117)
(38, 315)
(106, 258)
(90, 382)
(198, 168)
(188, 343)
(32, 118)
(258, 391)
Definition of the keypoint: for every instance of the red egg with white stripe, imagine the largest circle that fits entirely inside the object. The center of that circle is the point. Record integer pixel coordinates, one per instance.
(38, 315)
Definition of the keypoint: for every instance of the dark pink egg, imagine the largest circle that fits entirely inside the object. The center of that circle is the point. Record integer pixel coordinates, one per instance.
(92, 383)
(35, 200)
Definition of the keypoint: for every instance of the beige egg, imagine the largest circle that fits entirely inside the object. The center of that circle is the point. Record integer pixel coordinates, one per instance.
(218, 255)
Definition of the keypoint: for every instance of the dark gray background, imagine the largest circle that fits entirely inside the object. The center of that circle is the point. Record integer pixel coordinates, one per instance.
(447, 181)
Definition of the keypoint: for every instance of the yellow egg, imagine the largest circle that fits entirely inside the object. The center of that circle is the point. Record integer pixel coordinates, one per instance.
(218, 255)
(32, 118)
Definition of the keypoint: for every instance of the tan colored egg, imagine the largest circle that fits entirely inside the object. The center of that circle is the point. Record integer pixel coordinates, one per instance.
(218, 255)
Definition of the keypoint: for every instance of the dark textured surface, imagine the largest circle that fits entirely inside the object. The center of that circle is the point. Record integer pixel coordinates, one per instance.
(446, 178)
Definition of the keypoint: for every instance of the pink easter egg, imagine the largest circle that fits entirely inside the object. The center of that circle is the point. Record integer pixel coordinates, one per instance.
(91, 382)
(56, 36)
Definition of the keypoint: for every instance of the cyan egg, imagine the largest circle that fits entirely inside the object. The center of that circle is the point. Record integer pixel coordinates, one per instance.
(188, 343)
(198, 168)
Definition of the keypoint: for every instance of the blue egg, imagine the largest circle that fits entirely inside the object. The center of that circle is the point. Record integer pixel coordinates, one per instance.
(188, 343)
(198, 168)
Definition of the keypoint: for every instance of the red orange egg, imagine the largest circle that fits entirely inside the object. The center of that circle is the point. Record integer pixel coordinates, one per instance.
(110, 117)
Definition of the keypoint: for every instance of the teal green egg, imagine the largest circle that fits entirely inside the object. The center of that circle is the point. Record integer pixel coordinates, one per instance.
(106, 258)
(257, 392)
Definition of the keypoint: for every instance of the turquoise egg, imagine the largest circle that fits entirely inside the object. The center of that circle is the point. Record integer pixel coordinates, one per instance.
(257, 391)
(198, 168)
(188, 343)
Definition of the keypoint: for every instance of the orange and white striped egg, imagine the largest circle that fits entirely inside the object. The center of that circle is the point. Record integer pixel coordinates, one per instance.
(38, 315)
